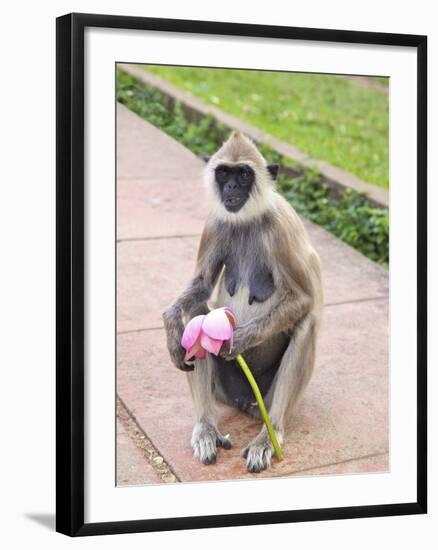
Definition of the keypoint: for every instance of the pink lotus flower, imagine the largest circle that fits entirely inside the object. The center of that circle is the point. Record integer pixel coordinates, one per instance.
(208, 332)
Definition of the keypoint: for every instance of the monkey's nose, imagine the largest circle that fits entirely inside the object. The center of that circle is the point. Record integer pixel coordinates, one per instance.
(231, 184)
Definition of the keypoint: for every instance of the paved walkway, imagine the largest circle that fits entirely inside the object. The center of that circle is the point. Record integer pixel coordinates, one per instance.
(341, 425)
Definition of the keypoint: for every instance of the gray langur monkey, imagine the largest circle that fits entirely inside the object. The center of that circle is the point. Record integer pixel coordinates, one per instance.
(255, 257)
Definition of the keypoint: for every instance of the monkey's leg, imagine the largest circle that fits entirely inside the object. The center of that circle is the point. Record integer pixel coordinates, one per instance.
(289, 383)
(205, 437)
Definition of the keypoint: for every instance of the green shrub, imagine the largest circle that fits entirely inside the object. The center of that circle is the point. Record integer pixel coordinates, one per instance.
(350, 217)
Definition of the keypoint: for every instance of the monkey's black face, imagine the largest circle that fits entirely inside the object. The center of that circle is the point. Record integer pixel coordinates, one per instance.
(235, 184)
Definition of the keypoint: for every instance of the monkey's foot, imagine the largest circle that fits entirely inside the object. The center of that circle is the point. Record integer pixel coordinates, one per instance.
(259, 452)
(206, 438)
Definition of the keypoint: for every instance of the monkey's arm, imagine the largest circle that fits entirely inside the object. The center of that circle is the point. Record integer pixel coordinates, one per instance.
(290, 309)
(193, 301)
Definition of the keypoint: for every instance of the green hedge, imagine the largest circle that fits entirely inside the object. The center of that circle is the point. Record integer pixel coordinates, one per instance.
(350, 217)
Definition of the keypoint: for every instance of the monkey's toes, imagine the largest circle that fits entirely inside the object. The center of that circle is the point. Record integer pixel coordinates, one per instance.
(204, 448)
(223, 441)
(211, 459)
(205, 440)
(258, 456)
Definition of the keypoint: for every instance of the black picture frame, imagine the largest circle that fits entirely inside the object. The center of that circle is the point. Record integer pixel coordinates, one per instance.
(70, 273)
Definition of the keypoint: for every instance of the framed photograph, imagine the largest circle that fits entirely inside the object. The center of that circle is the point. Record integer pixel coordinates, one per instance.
(241, 274)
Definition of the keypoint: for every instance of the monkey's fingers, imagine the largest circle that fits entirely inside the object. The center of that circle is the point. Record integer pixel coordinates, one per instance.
(177, 355)
(184, 367)
(226, 354)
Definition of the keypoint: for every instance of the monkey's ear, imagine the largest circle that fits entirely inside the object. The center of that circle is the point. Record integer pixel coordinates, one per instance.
(273, 170)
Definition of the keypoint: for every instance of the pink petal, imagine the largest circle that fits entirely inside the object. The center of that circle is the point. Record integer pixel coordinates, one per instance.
(201, 353)
(231, 317)
(193, 351)
(192, 332)
(217, 325)
(211, 344)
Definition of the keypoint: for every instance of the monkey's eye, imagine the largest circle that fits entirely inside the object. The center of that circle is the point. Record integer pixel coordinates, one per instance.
(222, 174)
(245, 175)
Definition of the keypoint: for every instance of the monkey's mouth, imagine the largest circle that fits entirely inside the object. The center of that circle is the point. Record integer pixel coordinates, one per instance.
(234, 203)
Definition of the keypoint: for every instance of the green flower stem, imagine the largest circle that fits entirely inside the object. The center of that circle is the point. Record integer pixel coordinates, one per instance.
(243, 365)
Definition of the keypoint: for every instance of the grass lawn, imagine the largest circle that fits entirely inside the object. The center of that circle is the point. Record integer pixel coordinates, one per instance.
(330, 118)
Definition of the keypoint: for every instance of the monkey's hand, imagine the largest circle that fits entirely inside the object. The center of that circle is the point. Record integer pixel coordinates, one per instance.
(174, 330)
(177, 353)
(242, 341)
